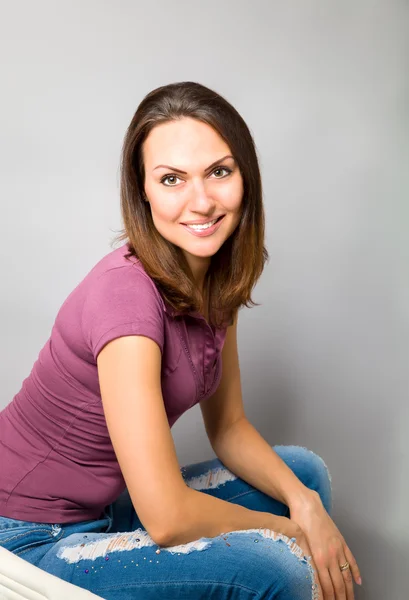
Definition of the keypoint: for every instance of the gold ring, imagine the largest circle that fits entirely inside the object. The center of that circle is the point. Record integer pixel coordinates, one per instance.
(344, 567)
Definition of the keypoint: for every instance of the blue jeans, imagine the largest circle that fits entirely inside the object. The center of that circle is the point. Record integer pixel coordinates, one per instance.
(115, 557)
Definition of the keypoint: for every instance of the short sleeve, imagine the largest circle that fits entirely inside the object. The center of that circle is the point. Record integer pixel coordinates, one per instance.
(121, 301)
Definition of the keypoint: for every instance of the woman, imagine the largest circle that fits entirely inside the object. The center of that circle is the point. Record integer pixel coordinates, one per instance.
(91, 489)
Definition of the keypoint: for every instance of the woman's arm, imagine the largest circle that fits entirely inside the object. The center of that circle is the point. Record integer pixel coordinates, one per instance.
(171, 512)
(129, 375)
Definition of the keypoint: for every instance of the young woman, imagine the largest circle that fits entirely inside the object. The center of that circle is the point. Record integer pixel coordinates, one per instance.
(90, 486)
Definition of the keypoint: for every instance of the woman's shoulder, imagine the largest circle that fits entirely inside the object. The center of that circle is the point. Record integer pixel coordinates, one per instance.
(119, 275)
(120, 299)
(119, 258)
(119, 270)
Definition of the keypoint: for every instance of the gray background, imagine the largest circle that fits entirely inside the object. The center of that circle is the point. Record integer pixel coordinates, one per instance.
(323, 87)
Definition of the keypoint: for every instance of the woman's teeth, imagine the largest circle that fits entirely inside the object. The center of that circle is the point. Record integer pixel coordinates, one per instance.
(206, 226)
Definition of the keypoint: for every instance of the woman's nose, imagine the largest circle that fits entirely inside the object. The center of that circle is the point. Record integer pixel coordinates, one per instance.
(200, 200)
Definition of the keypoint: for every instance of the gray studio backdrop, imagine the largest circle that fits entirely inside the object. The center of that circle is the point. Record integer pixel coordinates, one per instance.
(324, 89)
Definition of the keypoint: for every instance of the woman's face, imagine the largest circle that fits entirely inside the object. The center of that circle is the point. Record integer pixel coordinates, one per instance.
(201, 194)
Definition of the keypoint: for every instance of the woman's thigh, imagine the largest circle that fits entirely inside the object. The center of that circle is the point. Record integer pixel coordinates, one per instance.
(242, 565)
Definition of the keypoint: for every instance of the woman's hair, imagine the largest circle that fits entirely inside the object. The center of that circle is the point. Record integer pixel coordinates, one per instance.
(238, 264)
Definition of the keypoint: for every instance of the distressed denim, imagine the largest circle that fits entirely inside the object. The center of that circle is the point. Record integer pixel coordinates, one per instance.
(115, 558)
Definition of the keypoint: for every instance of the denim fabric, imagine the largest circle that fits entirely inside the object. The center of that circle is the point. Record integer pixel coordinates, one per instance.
(246, 564)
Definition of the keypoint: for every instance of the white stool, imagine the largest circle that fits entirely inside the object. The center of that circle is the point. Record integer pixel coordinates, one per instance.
(20, 580)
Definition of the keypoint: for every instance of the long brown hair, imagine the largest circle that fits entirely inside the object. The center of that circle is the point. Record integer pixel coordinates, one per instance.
(238, 264)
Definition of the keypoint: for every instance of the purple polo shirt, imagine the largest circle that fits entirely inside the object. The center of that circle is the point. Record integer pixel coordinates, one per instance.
(57, 461)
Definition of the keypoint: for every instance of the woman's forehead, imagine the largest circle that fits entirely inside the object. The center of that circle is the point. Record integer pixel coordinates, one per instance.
(194, 145)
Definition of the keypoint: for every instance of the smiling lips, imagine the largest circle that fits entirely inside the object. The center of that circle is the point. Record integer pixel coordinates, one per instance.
(189, 223)
(204, 230)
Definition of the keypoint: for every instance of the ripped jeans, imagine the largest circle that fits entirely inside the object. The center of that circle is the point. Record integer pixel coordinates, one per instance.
(115, 558)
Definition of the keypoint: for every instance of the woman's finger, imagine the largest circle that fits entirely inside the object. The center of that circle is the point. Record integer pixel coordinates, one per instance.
(349, 583)
(353, 565)
(341, 580)
(328, 590)
(324, 577)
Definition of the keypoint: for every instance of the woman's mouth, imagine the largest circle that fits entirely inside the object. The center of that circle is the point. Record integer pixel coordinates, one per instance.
(206, 229)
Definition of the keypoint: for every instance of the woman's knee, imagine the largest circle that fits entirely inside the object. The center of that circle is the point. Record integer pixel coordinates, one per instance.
(279, 570)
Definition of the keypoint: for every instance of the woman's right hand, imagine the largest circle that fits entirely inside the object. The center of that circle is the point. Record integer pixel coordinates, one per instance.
(290, 529)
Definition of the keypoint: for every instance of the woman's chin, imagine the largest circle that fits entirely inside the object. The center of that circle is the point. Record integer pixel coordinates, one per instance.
(207, 252)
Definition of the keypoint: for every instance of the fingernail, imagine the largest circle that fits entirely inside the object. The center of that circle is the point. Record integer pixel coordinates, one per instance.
(359, 581)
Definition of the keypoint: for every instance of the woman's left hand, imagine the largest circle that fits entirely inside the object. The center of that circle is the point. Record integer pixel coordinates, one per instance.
(328, 548)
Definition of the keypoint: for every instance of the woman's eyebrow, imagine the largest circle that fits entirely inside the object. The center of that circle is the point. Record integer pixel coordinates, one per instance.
(207, 169)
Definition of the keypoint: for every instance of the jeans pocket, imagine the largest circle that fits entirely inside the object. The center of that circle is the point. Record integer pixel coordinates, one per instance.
(20, 536)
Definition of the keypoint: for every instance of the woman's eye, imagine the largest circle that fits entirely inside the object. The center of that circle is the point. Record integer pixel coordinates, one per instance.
(222, 169)
(168, 177)
(228, 171)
